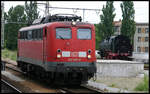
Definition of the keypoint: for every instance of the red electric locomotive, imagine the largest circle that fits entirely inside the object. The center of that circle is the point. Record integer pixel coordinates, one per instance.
(58, 48)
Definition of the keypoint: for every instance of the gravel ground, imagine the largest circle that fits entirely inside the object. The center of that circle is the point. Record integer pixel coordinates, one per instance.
(128, 83)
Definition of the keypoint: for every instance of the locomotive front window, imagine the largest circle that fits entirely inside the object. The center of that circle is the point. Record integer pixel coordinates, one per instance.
(84, 33)
(63, 33)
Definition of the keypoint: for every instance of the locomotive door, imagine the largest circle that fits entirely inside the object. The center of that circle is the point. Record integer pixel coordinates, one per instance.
(44, 44)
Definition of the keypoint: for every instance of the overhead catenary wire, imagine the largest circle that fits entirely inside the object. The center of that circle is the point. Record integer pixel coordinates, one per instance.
(74, 9)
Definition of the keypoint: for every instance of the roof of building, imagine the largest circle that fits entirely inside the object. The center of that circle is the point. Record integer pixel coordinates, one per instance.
(142, 23)
(118, 23)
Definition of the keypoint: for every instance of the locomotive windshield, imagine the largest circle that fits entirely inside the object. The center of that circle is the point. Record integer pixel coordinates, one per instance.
(63, 33)
(84, 33)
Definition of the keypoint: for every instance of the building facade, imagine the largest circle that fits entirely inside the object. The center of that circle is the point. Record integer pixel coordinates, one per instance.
(141, 37)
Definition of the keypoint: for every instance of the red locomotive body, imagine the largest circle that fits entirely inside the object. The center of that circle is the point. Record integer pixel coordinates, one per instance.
(58, 48)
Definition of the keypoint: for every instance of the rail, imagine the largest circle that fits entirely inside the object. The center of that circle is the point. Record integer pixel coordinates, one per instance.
(11, 86)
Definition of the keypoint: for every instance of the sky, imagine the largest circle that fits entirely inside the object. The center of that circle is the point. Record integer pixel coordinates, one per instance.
(141, 9)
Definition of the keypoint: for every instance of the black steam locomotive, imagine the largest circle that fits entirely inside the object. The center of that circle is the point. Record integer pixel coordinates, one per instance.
(116, 47)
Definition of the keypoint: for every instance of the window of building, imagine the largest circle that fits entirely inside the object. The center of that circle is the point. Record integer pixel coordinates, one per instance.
(143, 30)
(116, 28)
(146, 39)
(139, 39)
(143, 39)
(146, 30)
(139, 30)
(138, 49)
(146, 49)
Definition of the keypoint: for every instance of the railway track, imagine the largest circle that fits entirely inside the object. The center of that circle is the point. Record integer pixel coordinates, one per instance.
(78, 89)
(10, 87)
(64, 89)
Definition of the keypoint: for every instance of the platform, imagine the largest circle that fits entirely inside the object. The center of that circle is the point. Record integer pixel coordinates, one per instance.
(119, 68)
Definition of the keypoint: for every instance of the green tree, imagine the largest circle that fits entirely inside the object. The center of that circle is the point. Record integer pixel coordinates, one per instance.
(105, 27)
(13, 17)
(128, 25)
(31, 11)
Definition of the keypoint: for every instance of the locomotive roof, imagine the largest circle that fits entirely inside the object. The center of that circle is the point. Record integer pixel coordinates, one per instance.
(38, 26)
(33, 26)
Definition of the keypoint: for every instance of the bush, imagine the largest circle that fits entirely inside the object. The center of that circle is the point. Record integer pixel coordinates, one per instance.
(143, 86)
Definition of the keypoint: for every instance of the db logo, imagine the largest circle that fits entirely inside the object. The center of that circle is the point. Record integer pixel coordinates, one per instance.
(74, 54)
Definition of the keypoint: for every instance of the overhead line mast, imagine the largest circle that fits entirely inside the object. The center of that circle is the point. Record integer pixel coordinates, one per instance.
(2, 24)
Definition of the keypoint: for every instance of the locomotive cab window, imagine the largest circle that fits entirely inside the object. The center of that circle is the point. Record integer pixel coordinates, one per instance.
(84, 33)
(63, 33)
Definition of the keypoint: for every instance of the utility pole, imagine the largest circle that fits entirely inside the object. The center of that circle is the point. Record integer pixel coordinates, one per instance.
(83, 14)
(2, 24)
(47, 8)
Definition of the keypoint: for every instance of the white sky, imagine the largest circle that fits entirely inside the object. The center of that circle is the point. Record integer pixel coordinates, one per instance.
(141, 9)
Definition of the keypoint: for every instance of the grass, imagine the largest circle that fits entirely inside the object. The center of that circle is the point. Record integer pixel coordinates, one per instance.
(112, 85)
(9, 54)
(143, 86)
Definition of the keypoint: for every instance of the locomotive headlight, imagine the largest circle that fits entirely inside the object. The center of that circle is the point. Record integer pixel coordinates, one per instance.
(58, 56)
(73, 23)
(89, 56)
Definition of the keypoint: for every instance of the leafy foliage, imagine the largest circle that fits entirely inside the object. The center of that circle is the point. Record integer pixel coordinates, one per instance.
(143, 86)
(105, 28)
(11, 29)
(128, 24)
(17, 15)
(31, 11)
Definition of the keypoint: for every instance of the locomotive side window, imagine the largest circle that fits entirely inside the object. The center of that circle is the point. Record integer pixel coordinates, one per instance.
(35, 34)
(29, 35)
(22, 35)
(63, 33)
(38, 34)
(26, 35)
(41, 33)
(32, 34)
(84, 33)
